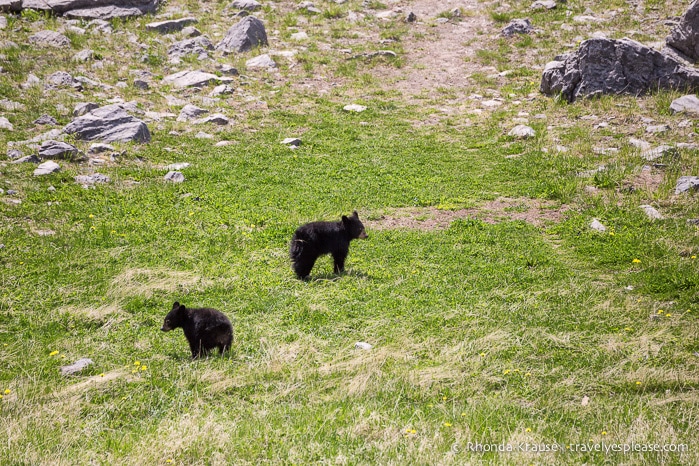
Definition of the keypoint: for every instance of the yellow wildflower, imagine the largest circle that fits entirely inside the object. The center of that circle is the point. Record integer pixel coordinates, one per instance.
(447, 424)
(137, 363)
(143, 368)
(53, 353)
(7, 391)
(638, 383)
(604, 432)
(636, 261)
(528, 429)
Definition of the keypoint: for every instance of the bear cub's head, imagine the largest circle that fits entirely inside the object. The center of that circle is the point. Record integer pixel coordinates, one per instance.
(175, 317)
(354, 226)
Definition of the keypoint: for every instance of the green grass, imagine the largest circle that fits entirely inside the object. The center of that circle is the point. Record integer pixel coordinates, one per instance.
(491, 330)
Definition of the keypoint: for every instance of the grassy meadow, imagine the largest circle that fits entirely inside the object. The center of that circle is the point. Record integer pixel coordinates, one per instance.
(517, 325)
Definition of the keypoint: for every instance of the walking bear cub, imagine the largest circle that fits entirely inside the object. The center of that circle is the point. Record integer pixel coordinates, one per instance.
(314, 239)
(205, 328)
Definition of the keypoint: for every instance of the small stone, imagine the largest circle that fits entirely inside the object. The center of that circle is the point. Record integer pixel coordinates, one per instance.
(410, 17)
(177, 166)
(261, 61)
(354, 108)
(141, 84)
(292, 142)
(77, 366)
(248, 5)
(685, 183)
(98, 148)
(655, 129)
(47, 168)
(597, 225)
(659, 152)
(222, 89)
(190, 112)
(517, 26)
(651, 212)
(5, 124)
(686, 104)
(89, 180)
(174, 177)
(57, 150)
(363, 346)
(299, 36)
(14, 154)
(543, 5)
(216, 118)
(84, 108)
(27, 159)
(84, 55)
(203, 135)
(45, 120)
(522, 132)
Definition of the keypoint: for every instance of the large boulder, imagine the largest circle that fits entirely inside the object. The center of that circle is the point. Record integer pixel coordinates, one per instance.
(109, 124)
(608, 66)
(244, 36)
(684, 37)
(10, 5)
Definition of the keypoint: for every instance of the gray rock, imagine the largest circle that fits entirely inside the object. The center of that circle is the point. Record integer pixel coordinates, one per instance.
(94, 9)
(3, 20)
(57, 150)
(543, 5)
(13, 6)
(687, 104)
(178, 166)
(109, 124)
(299, 36)
(190, 112)
(141, 84)
(410, 17)
(222, 89)
(363, 345)
(227, 70)
(89, 180)
(684, 37)
(10, 105)
(174, 177)
(517, 26)
(190, 79)
(655, 129)
(659, 152)
(14, 154)
(83, 108)
(295, 142)
(640, 144)
(198, 46)
(685, 183)
(47, 168)
(98, 148)
(354, 108)
(5, 124)
(173, 25)
(216, 118)
(77, 366)
(203, 135)
(191, 31)
(61, 79)
(28, 159)
(522, 132)
(597, 225)
(84, 55)
(32, 80)
(607, 66)
(651, 212)
(244, 36)
(261, 61)
(247, 5)
(48, 38)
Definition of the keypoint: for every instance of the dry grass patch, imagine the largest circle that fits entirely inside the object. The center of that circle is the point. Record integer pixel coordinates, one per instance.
(535, 211)
(145, 282)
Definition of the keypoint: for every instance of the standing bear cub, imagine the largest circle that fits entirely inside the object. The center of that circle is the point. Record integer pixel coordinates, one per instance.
(314, 239)
(205, 328)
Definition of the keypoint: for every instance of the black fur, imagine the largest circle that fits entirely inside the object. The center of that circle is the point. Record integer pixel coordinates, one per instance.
(205, 328)
(314, 239)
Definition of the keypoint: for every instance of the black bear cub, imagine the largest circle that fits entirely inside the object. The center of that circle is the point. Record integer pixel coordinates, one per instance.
(317, 238)
(205, 328)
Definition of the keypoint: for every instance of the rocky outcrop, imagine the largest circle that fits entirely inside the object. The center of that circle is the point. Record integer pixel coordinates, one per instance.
(85, 9)
(684, 37)
(607, 66)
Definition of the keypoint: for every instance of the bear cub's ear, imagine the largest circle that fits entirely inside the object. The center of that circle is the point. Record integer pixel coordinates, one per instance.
(177, 305)
(355, 214)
